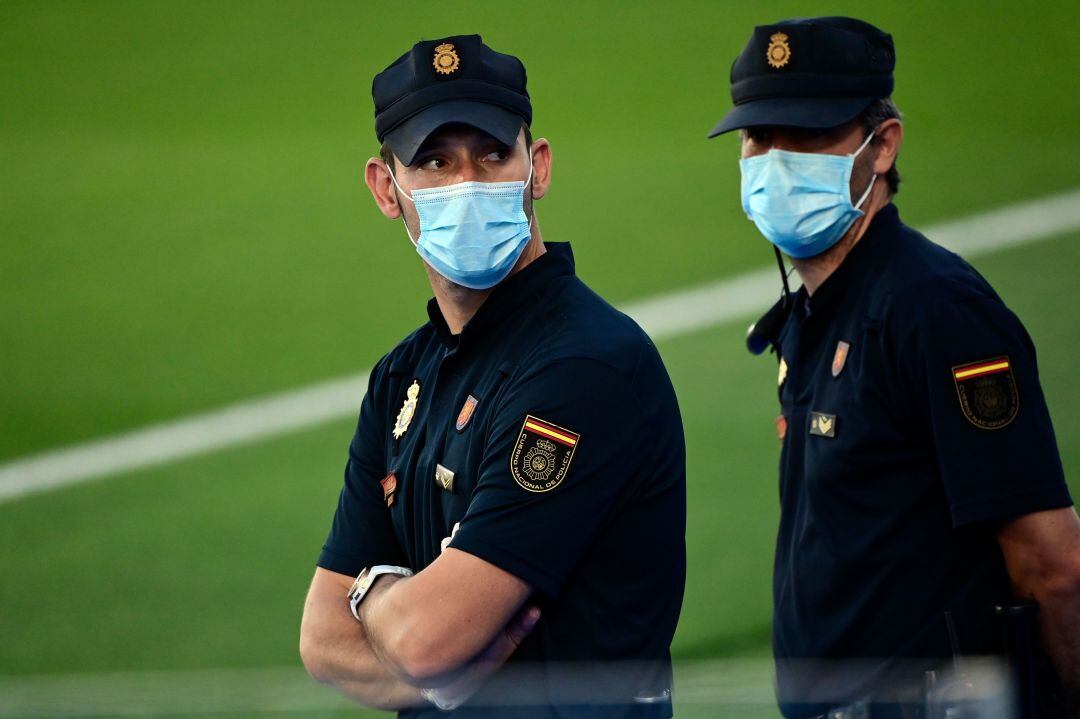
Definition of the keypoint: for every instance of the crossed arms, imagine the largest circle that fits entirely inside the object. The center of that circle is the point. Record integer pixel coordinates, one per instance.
(449, 626)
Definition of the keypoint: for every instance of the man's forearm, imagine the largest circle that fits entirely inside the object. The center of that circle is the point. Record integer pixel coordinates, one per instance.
(336, 651)
(1059, 627)
(374, 611)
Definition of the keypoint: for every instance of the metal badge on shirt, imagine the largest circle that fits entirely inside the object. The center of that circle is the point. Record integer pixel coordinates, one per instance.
(389, 487)
(466, 413)
(840, 357)
(405, 416)
(822, 425)
(542, 454)
(444, 477)
(987, 392)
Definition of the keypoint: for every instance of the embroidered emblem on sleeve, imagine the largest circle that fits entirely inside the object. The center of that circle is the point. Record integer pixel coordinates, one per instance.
(987, 392)
(542, 454)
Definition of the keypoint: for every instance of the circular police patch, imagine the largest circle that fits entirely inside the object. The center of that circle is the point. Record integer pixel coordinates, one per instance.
(987, 392)
(541, 456)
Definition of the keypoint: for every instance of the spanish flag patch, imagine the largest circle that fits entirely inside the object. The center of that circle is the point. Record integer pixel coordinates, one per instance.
(987, 392)
(542, 454)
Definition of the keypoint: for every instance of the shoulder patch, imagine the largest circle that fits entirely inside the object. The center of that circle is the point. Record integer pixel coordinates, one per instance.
(987, 392)
(542, 454)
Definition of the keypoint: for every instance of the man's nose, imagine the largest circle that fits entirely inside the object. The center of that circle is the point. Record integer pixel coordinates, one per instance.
(468, 171)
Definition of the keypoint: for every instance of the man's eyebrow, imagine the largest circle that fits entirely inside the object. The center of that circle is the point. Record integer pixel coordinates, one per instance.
(442, 144)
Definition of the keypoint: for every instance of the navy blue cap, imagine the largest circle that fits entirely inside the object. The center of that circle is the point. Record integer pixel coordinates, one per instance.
(455, 79)
(812, 72)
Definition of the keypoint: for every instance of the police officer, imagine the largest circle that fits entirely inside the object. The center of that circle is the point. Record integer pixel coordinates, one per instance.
(920, 482)
(516, 484)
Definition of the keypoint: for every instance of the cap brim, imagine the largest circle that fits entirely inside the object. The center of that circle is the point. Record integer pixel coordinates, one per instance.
(405, 139)
(811, 112)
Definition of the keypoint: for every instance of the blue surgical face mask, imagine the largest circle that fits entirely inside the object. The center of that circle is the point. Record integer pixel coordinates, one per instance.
(801, 201)
(471, 233)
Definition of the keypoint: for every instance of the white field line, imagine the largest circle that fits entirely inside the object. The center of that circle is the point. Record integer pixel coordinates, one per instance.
(663, 317)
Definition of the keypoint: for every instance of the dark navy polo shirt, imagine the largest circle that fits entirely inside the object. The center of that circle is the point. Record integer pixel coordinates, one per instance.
(555, 425)
(914, 422)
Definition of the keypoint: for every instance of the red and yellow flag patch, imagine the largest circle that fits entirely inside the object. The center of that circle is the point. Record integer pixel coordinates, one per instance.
(987, 392)
(981, 369)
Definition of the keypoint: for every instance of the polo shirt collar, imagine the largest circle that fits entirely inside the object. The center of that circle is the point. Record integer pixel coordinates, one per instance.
(531, 283)
(862, 258)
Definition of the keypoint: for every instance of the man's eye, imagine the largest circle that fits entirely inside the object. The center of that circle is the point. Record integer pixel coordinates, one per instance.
(496, 156)
(435, 163)
(757, 136)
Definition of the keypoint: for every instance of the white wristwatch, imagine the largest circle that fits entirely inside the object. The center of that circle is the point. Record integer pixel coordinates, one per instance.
(367, 577)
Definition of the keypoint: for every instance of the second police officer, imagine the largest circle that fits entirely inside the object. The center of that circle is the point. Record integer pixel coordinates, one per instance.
(920, 481)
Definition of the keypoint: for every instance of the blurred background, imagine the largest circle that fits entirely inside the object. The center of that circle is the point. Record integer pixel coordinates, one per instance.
(183, 226)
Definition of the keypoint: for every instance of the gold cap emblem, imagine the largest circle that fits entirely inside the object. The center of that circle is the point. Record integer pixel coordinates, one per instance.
(446, 60)
(778, 53)
(407, 410)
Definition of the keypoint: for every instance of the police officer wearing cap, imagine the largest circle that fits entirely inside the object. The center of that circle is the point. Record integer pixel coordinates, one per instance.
(515, 490)
(921, 489)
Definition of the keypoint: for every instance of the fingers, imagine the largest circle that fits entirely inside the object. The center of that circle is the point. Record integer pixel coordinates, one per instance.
(522, 625)
(507, 641)
(489, 660)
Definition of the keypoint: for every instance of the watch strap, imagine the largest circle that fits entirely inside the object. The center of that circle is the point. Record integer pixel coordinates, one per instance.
(366, 579)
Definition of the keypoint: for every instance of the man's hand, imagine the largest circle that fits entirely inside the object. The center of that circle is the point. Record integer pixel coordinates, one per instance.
(505, 643)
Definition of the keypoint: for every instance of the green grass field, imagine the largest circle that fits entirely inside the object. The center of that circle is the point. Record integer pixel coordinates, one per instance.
(183, 225)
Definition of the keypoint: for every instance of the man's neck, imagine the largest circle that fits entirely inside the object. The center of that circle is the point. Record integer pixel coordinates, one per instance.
(813, 271)
(459, 304)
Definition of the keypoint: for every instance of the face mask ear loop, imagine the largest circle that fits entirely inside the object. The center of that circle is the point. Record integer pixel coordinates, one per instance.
(872, 179)
(867, 193)
(410, 199)
(529, 180)
(865, 143)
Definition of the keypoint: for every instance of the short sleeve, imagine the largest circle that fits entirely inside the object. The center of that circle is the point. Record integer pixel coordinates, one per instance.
(985, 409)
(567, 449)
(362, 534)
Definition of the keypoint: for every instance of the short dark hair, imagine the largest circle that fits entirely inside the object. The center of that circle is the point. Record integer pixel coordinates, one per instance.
(876, 113)
(387, 154)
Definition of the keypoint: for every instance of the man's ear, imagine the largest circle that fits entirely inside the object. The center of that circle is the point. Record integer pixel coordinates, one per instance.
(541, 174)
(377, 177)
(890, 134)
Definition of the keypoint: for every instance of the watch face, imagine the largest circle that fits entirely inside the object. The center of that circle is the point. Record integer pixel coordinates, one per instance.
(361, 582)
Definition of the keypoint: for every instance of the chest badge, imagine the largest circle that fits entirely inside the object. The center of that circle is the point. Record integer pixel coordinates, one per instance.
(987, 392)
(822, 425)
(783, 373)
(405, 416)
(444, 478)
(839, 358)
(389, 487)
(466, 413)
(541, 456)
